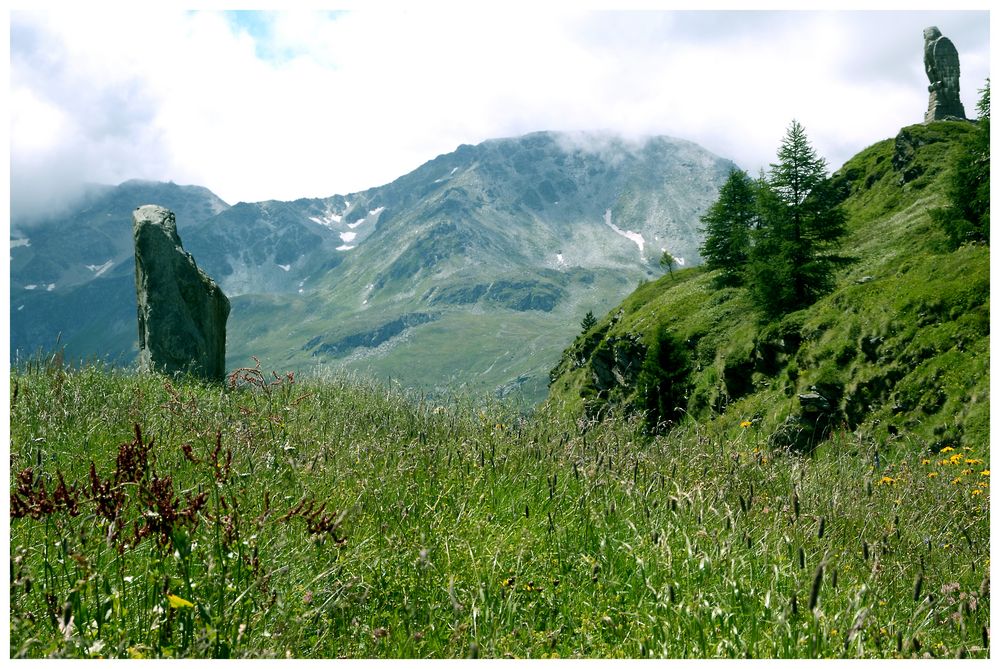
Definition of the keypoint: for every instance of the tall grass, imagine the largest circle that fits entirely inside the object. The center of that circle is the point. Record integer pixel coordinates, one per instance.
(338, 517)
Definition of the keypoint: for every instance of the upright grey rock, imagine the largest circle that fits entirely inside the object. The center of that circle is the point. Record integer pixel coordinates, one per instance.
(182, 312)
(941, 65)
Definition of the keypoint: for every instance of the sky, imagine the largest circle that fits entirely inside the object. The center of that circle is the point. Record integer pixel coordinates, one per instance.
(283, 105)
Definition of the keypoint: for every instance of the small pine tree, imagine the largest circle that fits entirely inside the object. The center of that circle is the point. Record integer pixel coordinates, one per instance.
(664, 380)
(588, 321)
(728, 223)
(801, 222)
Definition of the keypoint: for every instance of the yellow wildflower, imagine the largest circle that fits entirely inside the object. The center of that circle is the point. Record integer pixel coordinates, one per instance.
(947, 449)
(973, 461)
(746, 423)
(985, 472)
(886, 480)
(956, 480)
(977, 491)
(955, 459)
(178, 602)
(966, 472)
(931, 475)
(925, 461)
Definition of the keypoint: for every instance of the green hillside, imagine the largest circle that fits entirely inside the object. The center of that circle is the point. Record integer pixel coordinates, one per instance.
(330, 517)
(899, 349)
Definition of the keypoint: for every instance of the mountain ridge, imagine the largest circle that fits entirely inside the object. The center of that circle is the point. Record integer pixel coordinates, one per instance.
(544, 226)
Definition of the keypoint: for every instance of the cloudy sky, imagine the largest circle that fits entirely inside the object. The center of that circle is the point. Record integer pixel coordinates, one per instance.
(261, 105)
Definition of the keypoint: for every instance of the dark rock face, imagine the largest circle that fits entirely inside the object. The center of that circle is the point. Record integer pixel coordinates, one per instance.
(182, 312)
(941, 65)
(368, 338)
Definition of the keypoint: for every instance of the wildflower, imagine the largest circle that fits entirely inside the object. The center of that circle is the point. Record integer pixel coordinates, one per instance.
(947, 449)
(966, 472)
(956, 480)
(925, 461)
(931, 475)
(977, 491)
(176, 602)
(973, 461)
(886, 480)
(985, 472)
(745, 424)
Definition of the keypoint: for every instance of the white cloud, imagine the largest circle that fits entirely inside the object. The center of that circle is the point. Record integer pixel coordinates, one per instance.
(297, 104)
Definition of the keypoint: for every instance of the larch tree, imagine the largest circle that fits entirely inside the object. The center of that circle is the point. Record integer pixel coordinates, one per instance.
(728, 223)
(791, 263)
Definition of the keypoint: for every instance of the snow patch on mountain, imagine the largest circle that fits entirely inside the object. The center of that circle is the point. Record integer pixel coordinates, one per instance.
(287, 268)
(329, 219)
(14, 243)
(627, 234)
(344, 247)
(348, 236)
(98, 270)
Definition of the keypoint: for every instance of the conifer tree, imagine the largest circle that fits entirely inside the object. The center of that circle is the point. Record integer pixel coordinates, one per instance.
(589, 321)
(967, 218)
(664, 380)
(727, 228)
(791, 264)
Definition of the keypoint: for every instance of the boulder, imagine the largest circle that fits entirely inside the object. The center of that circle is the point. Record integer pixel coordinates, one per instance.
(182, 312)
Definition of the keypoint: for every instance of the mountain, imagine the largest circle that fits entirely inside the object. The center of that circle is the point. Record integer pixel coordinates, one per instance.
(897, 353)
(72, 278)
(471, 271)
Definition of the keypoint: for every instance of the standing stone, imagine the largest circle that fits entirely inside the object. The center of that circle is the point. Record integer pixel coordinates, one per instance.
(182, 312)
(941, 65)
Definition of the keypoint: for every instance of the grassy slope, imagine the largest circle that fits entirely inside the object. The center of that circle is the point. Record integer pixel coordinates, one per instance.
(901, 345)
(469, 531)
(473, 530)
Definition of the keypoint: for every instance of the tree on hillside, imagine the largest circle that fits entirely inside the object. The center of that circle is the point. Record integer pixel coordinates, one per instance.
(664, 381)
(589, 321)
(790, 261)
(967, 217)
(727, 228)
(668, 262)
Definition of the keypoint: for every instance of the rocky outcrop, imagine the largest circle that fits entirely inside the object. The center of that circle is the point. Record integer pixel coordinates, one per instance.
(368, 338)
(941, 65)
(182, 312)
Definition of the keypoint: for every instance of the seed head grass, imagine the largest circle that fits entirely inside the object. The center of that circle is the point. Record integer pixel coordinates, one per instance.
(331, 517)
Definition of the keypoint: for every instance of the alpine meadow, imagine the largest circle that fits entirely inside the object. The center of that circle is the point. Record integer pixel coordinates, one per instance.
(559, 395)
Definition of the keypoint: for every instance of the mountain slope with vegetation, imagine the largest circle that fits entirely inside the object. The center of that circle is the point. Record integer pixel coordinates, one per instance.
(897, 351)
(275, 516)
(466, 273)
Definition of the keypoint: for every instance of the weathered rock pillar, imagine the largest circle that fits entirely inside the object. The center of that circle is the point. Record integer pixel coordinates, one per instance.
(182, 312)
(941, 65)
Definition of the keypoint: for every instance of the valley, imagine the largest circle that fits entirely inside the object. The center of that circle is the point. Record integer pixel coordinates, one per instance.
(469, 273)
